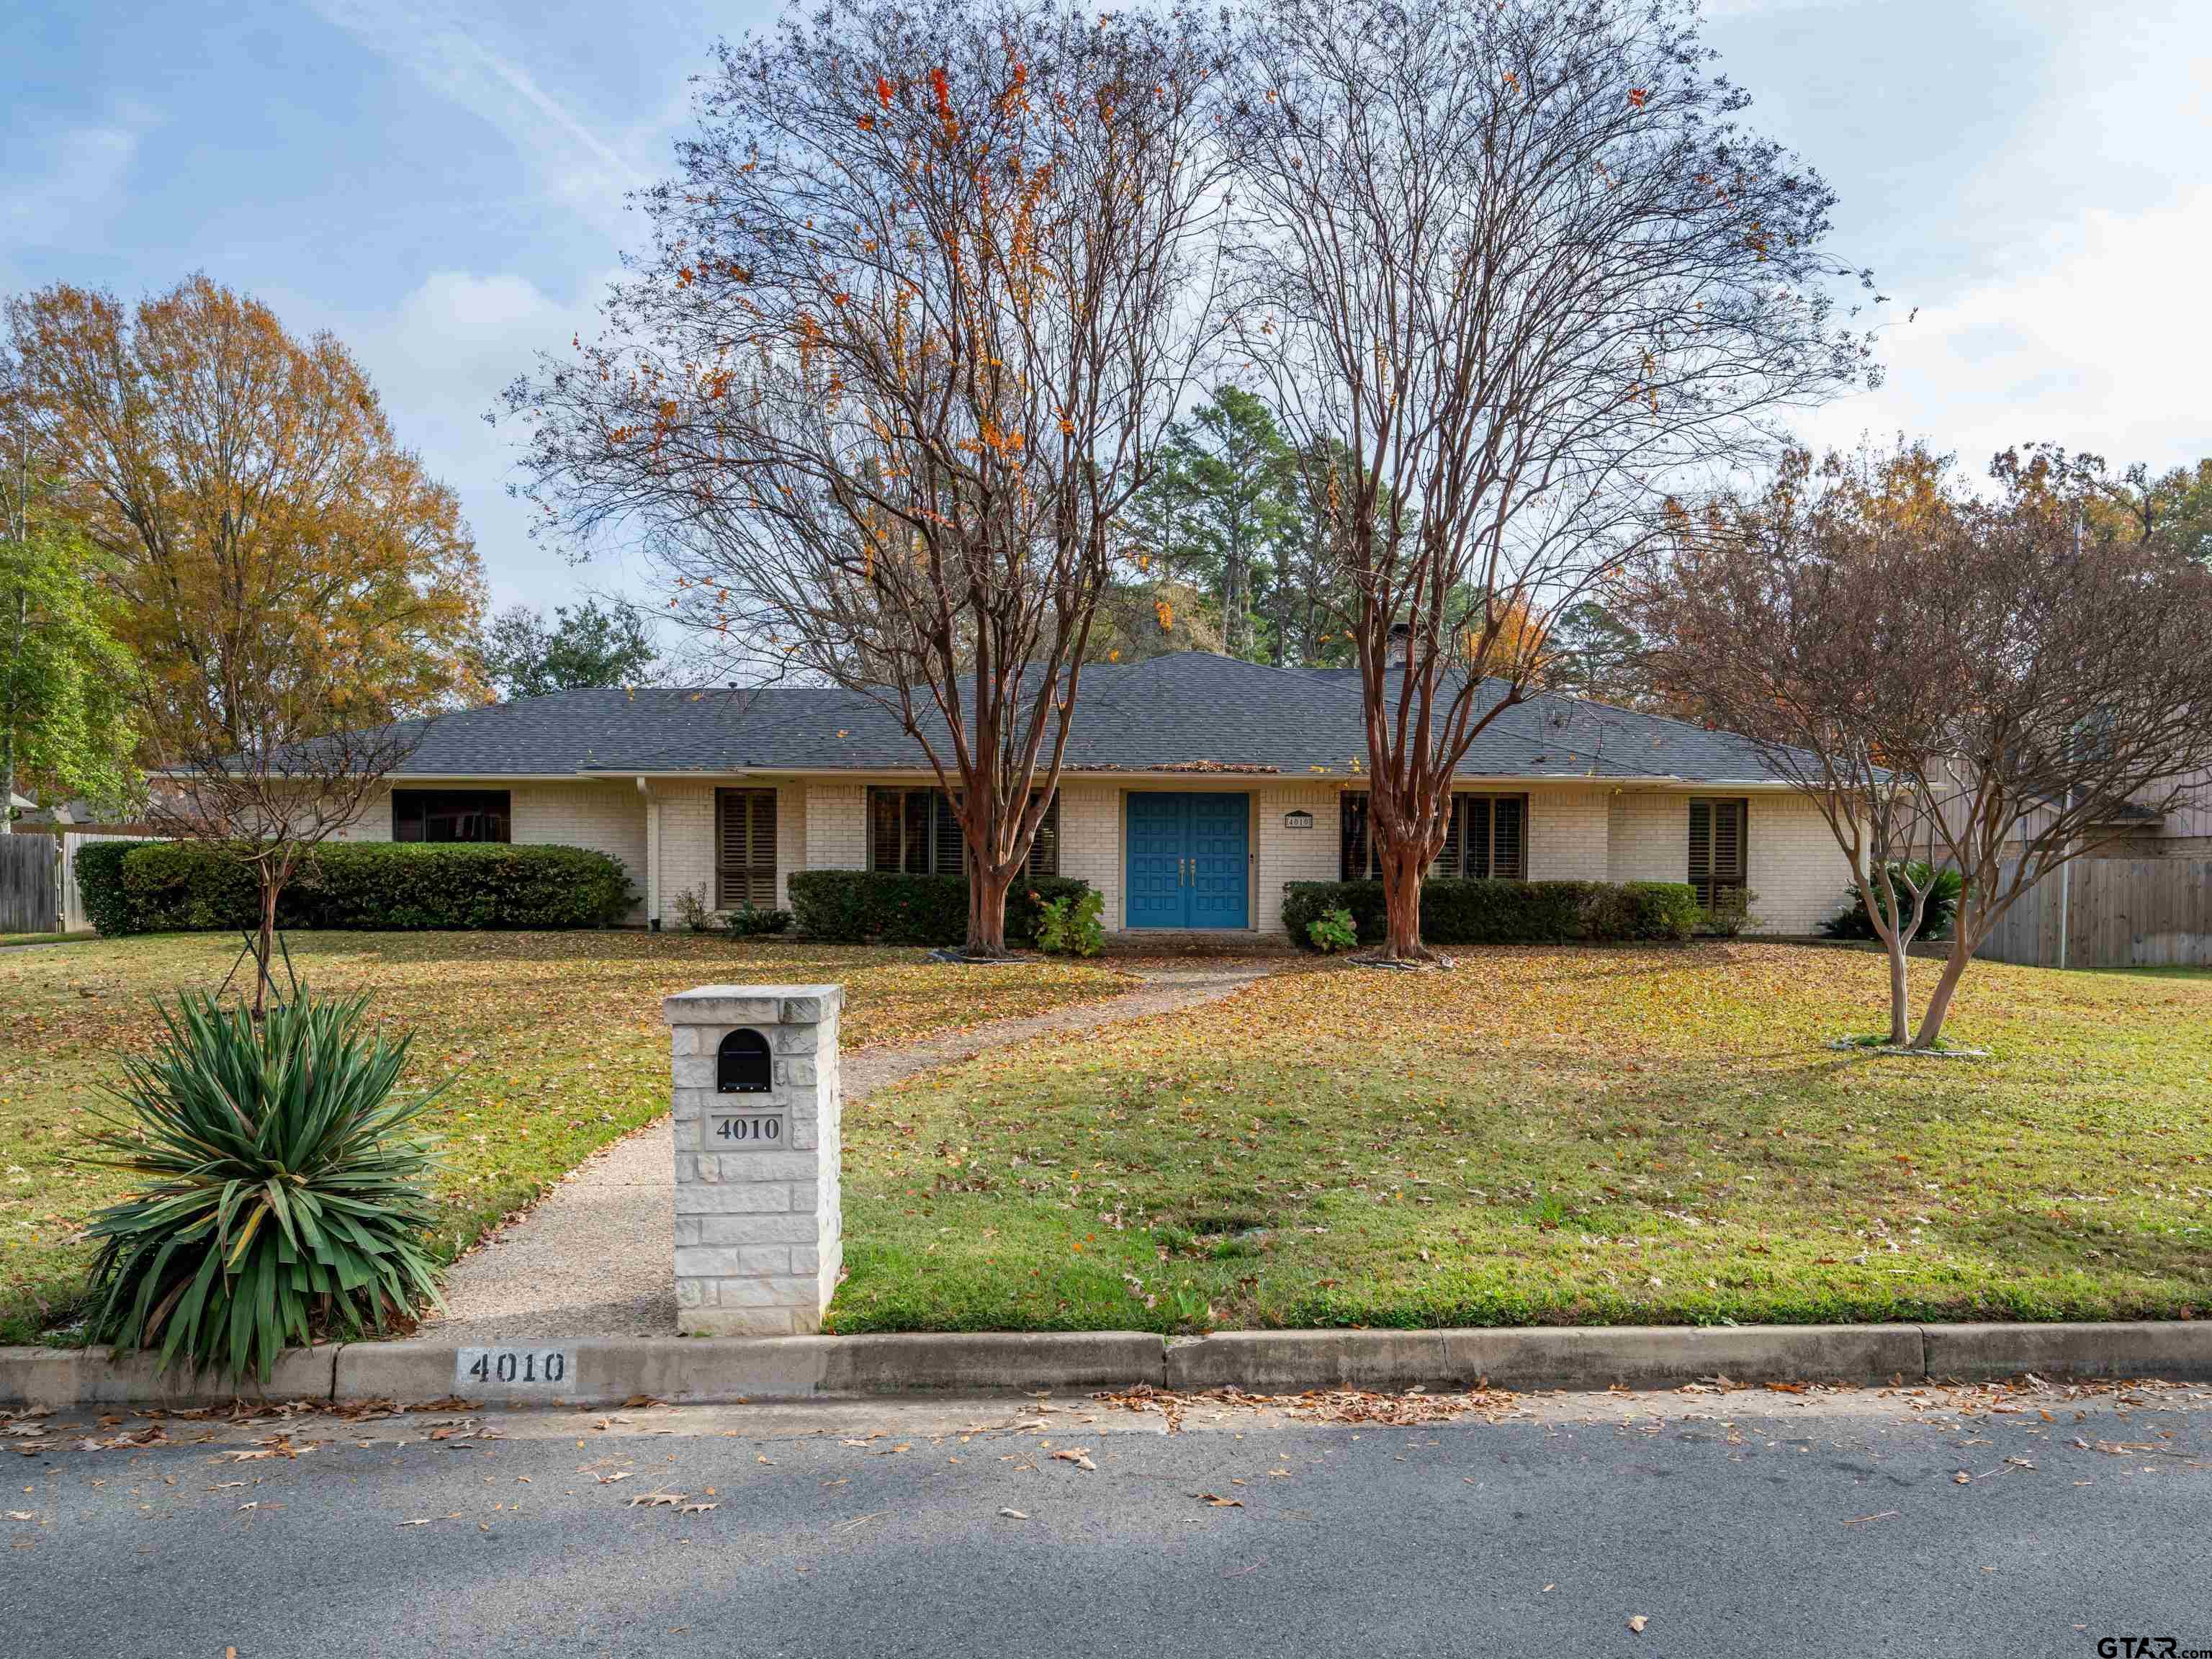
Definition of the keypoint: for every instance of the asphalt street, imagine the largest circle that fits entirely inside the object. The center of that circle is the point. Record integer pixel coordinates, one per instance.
(1727, 1521)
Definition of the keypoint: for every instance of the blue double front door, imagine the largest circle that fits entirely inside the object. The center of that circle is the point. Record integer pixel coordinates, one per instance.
(1188, 863)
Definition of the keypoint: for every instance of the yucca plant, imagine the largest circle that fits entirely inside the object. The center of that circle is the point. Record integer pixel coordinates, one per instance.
(282, 1197)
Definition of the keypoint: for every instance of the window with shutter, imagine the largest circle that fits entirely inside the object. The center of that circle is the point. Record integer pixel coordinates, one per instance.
(1354, 861)
(948, 843)
(917, 832)
(1509, 844)
(1719, 849)
(745, 849)
(1044, 847)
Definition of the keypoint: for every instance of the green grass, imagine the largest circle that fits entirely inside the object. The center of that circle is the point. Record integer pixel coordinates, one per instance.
(555, 1041)
(1553, 1136)
(7, 940)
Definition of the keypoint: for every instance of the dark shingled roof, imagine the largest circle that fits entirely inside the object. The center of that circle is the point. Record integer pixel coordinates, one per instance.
(1191, 711)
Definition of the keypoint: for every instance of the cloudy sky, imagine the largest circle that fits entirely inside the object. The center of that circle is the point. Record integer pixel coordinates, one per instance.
(441, 183)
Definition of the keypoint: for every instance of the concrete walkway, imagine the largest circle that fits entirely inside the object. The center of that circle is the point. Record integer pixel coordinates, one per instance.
(595, 1256)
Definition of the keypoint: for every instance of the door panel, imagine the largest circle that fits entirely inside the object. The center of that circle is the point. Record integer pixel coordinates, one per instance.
(1157, 893)
(1187, 866)
(1219, 827)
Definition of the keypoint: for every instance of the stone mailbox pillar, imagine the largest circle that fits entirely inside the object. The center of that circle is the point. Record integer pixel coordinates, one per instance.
(756, 1105)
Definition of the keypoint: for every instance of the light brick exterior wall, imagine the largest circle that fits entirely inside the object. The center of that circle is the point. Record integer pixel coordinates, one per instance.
(1091, 842)
(1288, 855)
(687, 844)
(1568, 833)
(1797, 871)
(1651, 836)
(837, 826)
(688, 829)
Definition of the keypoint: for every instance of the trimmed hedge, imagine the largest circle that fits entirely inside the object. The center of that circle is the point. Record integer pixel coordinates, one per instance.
(1455, 911)
(881, 907)
(149, 887)
(100, 885)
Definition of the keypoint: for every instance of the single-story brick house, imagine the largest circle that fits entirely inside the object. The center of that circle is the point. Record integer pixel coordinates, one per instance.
(1195, 787)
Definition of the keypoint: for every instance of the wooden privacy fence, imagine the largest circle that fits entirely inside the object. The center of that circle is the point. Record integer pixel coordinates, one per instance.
(38, 881)
(30, 885)
(2110, 913)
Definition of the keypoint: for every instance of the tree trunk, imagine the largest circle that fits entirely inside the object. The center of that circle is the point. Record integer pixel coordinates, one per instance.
(1401, 902)
(986, 911)
(1900, 995)
(1939, 1005)
(264, 945)
(8, 721)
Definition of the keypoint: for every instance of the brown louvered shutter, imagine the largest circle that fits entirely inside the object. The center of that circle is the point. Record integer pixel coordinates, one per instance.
(1352, 863)
(1729, 825)
(744, 851)
(884, 806)
(1450, 861)
(948, 846)
(1508, 854)
(1701, 850)
(1044, 849)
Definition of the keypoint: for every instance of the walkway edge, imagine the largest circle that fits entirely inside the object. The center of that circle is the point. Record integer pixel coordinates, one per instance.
(603, 1371)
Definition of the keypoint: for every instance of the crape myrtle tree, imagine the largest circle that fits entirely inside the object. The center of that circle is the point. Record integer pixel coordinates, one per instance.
(2083, 673)
(1817, 620)
(1995, 684)
(930, 282)
(1521, 266)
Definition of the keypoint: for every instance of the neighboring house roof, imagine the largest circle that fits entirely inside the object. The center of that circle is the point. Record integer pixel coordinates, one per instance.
(1189, 712)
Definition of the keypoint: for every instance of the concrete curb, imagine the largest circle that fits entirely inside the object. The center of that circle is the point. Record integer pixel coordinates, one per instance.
(603, 1371)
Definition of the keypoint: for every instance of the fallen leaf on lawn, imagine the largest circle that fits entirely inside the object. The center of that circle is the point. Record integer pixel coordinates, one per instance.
(1637, 1623)
(1078, 1456)
(1013, 1514)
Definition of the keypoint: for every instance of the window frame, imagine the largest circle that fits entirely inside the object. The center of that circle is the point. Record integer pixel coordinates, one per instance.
(1352, 833)
(1712, 880)
(934, 831)
(736, 885)
(499, 818)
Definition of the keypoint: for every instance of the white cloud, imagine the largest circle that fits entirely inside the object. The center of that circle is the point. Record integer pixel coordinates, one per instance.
(75, 175)
(439, 360)
(2089, 338)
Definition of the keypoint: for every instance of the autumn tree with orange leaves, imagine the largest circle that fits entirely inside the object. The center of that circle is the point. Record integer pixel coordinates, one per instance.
(292, 588)
(930, 280)
(1516, 272)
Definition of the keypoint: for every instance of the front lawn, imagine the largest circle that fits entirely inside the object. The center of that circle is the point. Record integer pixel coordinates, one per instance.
(1546, 1136)
(555, 1040)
